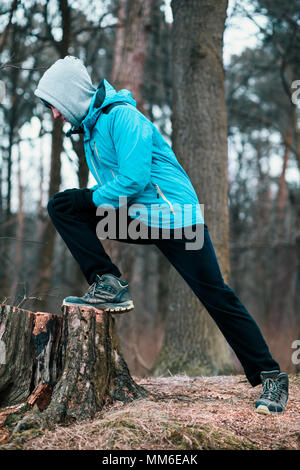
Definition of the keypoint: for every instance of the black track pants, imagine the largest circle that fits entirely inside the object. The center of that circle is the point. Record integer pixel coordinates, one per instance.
(199, 268)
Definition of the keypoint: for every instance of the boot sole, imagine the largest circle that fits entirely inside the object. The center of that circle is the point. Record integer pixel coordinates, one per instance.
(109, 308)
(264, 410)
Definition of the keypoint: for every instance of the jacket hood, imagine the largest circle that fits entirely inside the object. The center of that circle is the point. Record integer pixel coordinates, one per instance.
(105, 95)
(67, 86)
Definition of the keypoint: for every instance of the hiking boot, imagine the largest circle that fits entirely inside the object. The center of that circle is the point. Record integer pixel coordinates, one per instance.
(275, 392)
(107, 293)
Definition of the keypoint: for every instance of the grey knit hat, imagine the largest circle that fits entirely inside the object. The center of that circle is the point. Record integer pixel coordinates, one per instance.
(67, 86)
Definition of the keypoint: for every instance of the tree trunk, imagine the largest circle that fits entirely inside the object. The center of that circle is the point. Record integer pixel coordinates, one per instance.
(192, 343)
(297, 293)
(282, 195)
(139, 333)
(5, 32)
(18, 260)
(42, 284)
(43, 281)
(83, 169)
(13, 118)
(131, 47)
(67, 365)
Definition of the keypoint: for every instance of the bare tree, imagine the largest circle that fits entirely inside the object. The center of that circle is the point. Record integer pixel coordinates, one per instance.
(192, 342)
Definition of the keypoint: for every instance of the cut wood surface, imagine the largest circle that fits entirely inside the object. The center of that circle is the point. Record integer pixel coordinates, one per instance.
(60, 367)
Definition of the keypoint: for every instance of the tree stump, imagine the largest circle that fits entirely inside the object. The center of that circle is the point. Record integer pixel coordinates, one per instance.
(60, 368)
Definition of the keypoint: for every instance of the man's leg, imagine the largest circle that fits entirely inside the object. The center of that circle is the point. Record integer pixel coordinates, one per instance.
(78, 230)
(201, 271)
(79, 233)
(107, 292)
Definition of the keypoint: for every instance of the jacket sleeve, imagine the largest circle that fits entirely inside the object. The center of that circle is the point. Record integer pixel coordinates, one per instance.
(131, 134)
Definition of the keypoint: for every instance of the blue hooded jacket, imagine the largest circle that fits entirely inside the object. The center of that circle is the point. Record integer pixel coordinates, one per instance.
(128, 157)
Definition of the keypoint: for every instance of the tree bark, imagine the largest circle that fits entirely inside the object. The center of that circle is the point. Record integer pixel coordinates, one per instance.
(140, 332)
(20, 233)
(13, 118)
(131, 47)
(192, 343)
(43, 282)
(65, 366)
(83, 169)
(5, 32)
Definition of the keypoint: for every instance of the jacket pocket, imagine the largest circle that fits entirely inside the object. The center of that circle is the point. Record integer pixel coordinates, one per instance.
(160, 193)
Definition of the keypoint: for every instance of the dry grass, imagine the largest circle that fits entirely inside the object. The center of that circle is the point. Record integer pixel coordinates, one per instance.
(180, 413)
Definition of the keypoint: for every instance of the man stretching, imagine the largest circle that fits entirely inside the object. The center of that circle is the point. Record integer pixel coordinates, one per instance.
(132, 163)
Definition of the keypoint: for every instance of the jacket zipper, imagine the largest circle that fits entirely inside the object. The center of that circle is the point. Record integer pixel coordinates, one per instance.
(164, 197)
(100, 159)
(94, 166)
(96, 151)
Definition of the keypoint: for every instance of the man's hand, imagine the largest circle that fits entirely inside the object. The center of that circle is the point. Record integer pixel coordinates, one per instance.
(74, 200)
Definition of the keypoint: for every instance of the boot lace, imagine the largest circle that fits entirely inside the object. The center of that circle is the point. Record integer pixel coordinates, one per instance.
(271, 390)
(96, 287)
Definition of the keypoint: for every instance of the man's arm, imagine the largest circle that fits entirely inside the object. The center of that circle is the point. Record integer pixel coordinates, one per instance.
(132, 138)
